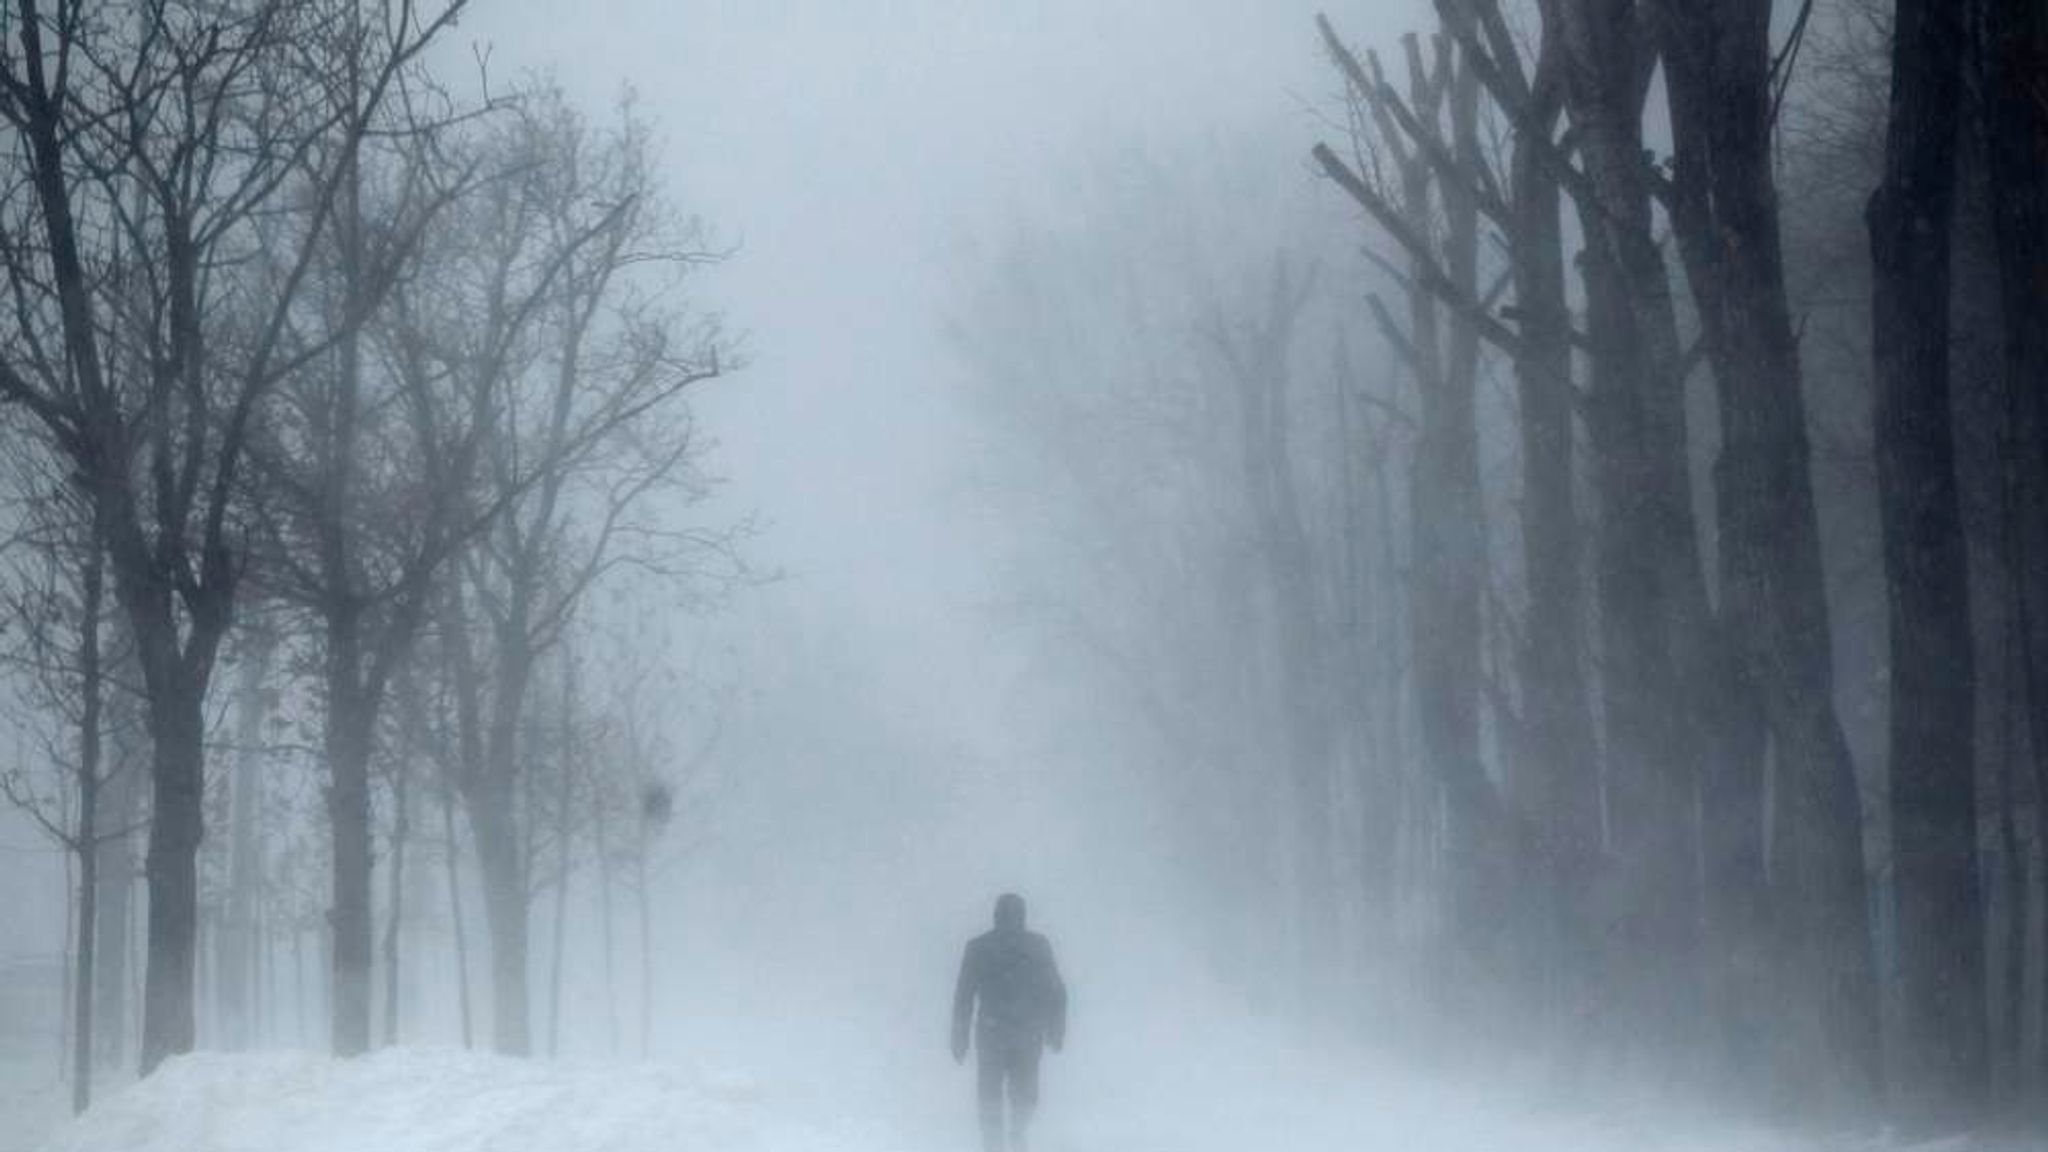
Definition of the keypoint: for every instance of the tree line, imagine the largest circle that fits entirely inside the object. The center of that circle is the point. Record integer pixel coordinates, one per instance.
(1608, 609)
(348, 378)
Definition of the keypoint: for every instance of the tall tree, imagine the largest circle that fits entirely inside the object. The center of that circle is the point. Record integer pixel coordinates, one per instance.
(2014, 71)
(165, 137)
(1721, 81)
(1551, 827)
(123, 800)
(369, 469)
(236, 940)
(1940, 924)
(1559, 777)
(55, 610)
(1655, 625)
(1433, 211)
(1554, 786)
(1256, 357)
(589, 429)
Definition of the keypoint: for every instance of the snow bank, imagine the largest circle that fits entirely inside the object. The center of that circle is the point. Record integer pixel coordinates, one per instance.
(426, 1100)
(429, 1100)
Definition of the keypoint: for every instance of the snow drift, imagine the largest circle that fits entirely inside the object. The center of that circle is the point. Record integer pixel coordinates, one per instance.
(1199, 1096)
(426, 1100)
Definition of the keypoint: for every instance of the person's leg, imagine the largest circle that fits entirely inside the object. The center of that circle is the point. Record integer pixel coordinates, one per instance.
(988, 1077)
(1023, 1091)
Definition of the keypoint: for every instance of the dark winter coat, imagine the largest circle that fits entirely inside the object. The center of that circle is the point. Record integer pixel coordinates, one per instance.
(1010, 988)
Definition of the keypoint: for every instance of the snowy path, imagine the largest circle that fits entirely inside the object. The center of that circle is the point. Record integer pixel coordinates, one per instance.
(424, 1100)
(1133, 1092)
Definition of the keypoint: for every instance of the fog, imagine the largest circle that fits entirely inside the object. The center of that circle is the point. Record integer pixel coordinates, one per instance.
(905, 750)
(1010, 461)
(900, 757)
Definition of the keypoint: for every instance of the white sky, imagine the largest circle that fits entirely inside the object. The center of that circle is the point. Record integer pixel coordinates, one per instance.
(852, 146)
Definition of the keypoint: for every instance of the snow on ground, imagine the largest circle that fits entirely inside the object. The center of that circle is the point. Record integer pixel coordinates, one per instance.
(427, 1100)
(1200, 1099)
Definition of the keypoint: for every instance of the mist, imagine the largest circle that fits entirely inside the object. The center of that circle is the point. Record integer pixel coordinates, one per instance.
(1472, 562)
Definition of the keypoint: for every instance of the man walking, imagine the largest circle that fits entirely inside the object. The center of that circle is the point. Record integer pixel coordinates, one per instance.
(1010, 989)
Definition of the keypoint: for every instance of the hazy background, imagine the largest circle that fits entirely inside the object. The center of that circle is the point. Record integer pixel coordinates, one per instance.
(856, 154)
(897, 757)
(897, 747)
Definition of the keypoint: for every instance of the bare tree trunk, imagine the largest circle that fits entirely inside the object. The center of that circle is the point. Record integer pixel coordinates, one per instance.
(506, 909)
(91, 686)
(401, 830)
(455, 915)
(1375, 651)
(1259, 366)
(1446, 522)
(80, 981)
(646, 948)
(1943, 1052)
(119, 801)
(1717, 62)
(2030, 1084)
(1560, 786)
(606, 875)
(138, 962)
(352, 696)
(563, 808)
(1384, 827)
(347, 744)
(2016, 136)
(1450, 557)
(206, 1005)
(66, 1000)
(2037, 1088)
(236, 938)
(1984, 447)
(2009, 1048)
(1649, 583)
(177, 729)
(490, 780)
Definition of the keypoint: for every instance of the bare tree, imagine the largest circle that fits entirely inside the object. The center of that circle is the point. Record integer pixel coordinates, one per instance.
(1430, 200)
(55, 611)
(368, 468)
(589, 438)
(238, 937)
(2013, 62)
(1555, 792)
(156, 139)
(400, 782)
(427, 732)
(1256, 357)
(1722, 82)
(1681, 712)
(1655, 638)
(1940, 921)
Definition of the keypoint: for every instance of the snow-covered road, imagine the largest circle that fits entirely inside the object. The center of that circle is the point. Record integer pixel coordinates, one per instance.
(427, 1100)
(1129, 1094)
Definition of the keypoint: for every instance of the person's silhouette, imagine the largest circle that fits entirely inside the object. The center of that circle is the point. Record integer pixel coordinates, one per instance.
(1010, 990)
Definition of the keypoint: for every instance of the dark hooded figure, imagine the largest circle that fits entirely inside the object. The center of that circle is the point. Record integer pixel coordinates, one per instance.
(1011, 991)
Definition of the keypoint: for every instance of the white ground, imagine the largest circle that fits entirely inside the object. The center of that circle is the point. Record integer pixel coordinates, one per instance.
(1144, 1091)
